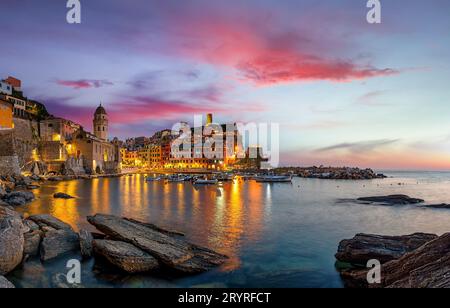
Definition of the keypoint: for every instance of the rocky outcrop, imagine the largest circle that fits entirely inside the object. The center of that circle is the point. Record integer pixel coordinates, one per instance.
(364, 247)
(11, 240)
(391, 200)
(32, 242)
(57, 243)
(18, 198)
(61, 195)
(86, 240)
(5, 283)
(51, 221)
(437, 206)
(425, 267)
(171, 251)
(125, 256)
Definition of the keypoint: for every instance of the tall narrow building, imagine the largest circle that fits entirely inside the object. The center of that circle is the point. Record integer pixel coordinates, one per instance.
(101, 123)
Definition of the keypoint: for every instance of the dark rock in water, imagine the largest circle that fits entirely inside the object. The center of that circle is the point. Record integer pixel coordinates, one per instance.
(61, 195)
(169, 250)
(32, 187)
(365, 247)
(57, 243)
(32, 242)
(156, 228)
(55, 179)
(437, 206)
(18, 198)
(392, 200)
(11, 240)
(125, 256)
(51, 221)
(86, 240)
(5, 283)
(426, 267)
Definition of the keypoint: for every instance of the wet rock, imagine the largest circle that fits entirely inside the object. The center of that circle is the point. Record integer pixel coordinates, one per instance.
(57, 243)
(31, 225)
(437, 206)
(11, 240)
(33, 187)
(18, 198)
(125, 256)
(55, 179)
(169, 250)
(51, 221)
(32, 242)
(5, 283)
(426, 267)
(392, 200)
(86, 240)
(61, 195)
(364, 247)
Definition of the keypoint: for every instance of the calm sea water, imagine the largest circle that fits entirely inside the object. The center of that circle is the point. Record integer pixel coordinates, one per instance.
(276, 235)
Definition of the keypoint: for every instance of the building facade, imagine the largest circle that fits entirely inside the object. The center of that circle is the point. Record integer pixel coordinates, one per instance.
(6, 115)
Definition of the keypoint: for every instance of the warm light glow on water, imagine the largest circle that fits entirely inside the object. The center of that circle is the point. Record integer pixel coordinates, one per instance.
(275, 234)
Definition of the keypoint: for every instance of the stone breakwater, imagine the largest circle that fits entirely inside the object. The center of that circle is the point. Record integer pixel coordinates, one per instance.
(129, 245)
(332, 173)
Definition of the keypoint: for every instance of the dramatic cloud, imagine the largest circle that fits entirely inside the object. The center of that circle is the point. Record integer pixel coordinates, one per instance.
(84, 83)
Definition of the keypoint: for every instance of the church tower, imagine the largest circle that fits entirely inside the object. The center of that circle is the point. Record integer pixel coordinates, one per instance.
(101, 123)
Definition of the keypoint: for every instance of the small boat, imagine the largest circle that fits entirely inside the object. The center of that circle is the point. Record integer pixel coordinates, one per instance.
(205, 182)
(274, 179)
(176, 179)
(152, 179)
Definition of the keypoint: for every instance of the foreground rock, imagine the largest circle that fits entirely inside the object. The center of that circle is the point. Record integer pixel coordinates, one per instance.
(61, 195)
(11, 240)
(392, 200)
(57, 243)
(125, 256)
(169, 250)
(18, 198)
(50, 221)
(426, 267)
(32, 243)
(365, 247)
(5, 283)
(86, 243)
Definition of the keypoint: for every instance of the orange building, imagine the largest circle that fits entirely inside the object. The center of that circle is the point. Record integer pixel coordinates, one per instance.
(6, 114)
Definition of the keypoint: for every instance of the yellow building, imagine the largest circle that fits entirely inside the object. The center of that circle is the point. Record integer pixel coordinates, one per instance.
(6, 114)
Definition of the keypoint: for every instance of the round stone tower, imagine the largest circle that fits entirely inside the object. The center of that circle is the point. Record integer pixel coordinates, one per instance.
(101, 123)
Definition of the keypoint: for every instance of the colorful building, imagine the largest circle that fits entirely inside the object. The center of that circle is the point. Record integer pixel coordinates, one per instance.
(6, 115)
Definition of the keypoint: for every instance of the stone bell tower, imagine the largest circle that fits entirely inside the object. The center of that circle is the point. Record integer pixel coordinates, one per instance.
(101, 123)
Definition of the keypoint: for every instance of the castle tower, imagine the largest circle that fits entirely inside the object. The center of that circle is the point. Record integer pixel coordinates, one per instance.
(101, 123)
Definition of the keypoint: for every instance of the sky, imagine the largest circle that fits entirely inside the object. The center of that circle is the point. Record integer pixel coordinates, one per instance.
(344, 92)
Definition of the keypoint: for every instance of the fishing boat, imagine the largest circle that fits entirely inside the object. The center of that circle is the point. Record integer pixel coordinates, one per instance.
(152, 179)
(274, 179)
(205, 182)
(176, 179)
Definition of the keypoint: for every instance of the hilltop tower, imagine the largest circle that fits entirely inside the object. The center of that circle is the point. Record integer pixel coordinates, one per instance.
(101, 123)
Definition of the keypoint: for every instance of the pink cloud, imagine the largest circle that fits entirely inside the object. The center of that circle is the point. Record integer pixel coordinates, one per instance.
(83, 83)
(264, 51)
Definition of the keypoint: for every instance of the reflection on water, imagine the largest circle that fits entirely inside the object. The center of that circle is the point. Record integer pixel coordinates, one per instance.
(276, 235)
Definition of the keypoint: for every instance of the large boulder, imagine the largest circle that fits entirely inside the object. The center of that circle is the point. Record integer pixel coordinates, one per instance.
(391, 200)
(125, 256)
(426, 267)
(364, 247)
(11, 240)
(18, 198)
(32, 242)
(50, 221)
(57, 243)
(169, 250)
(5, 283)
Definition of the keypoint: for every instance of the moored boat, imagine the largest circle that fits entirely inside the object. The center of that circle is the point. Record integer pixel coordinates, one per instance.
(274, 179)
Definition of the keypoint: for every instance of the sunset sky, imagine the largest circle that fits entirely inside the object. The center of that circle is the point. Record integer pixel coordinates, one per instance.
(344, 92)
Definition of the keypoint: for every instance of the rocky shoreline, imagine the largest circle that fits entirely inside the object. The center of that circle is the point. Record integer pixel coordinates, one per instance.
(128, 245)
